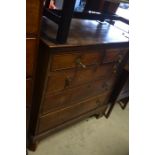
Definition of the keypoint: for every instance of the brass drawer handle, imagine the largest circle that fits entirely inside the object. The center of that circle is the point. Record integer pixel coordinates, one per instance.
(79, 63)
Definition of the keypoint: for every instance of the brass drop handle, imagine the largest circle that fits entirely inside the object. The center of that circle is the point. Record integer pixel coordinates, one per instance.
(78, 62)
(68, 81)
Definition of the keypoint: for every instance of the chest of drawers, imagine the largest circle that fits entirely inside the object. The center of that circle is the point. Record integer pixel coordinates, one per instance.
(72, 85)
(73, 82)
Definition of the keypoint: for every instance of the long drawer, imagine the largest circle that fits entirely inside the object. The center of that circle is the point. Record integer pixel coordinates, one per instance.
(72, 96)
(56, 118)
(60, 80)
(31, 46)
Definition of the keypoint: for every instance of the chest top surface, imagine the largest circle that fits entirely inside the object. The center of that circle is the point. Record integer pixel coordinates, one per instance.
(83, 32)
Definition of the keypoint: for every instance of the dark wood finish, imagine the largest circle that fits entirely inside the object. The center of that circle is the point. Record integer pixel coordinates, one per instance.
(56, 101)
(27, 118)
(33, 22)
(66, 91)
(87, 33)
(72, 96)
(31, 49)
(114, 55)
(70, 60)
(61, 80)
(28, 92)
(55, 118)
(33, 146)
(33, 14)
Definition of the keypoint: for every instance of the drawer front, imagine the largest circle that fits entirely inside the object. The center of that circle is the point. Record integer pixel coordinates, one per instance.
(89, 90)
(33, 9)
(113, 55)
(74, 95)
(56, 101)
(56, 118)
(70, 60)
(28, 91)
(61, 80)
(31, 46)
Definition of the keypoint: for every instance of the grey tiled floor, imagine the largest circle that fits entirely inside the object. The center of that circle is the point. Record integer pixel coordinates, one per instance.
(90, 137)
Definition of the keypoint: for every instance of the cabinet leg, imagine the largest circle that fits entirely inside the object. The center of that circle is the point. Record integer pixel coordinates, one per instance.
(33, 146)
(123, 102)
(99, 115)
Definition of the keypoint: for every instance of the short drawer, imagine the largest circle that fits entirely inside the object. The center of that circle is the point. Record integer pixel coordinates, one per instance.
(72, 96)
(77, 59)
(63, 79)
(33, 10)
(31, 45)
(56, 118)
(114, 55)
(28, 91)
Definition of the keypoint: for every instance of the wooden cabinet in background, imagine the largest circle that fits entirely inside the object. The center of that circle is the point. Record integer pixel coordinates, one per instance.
(33, 21)
(33, 14)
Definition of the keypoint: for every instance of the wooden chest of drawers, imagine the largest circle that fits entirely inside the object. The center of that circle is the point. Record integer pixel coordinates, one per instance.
(66, 90)
(73, 82)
